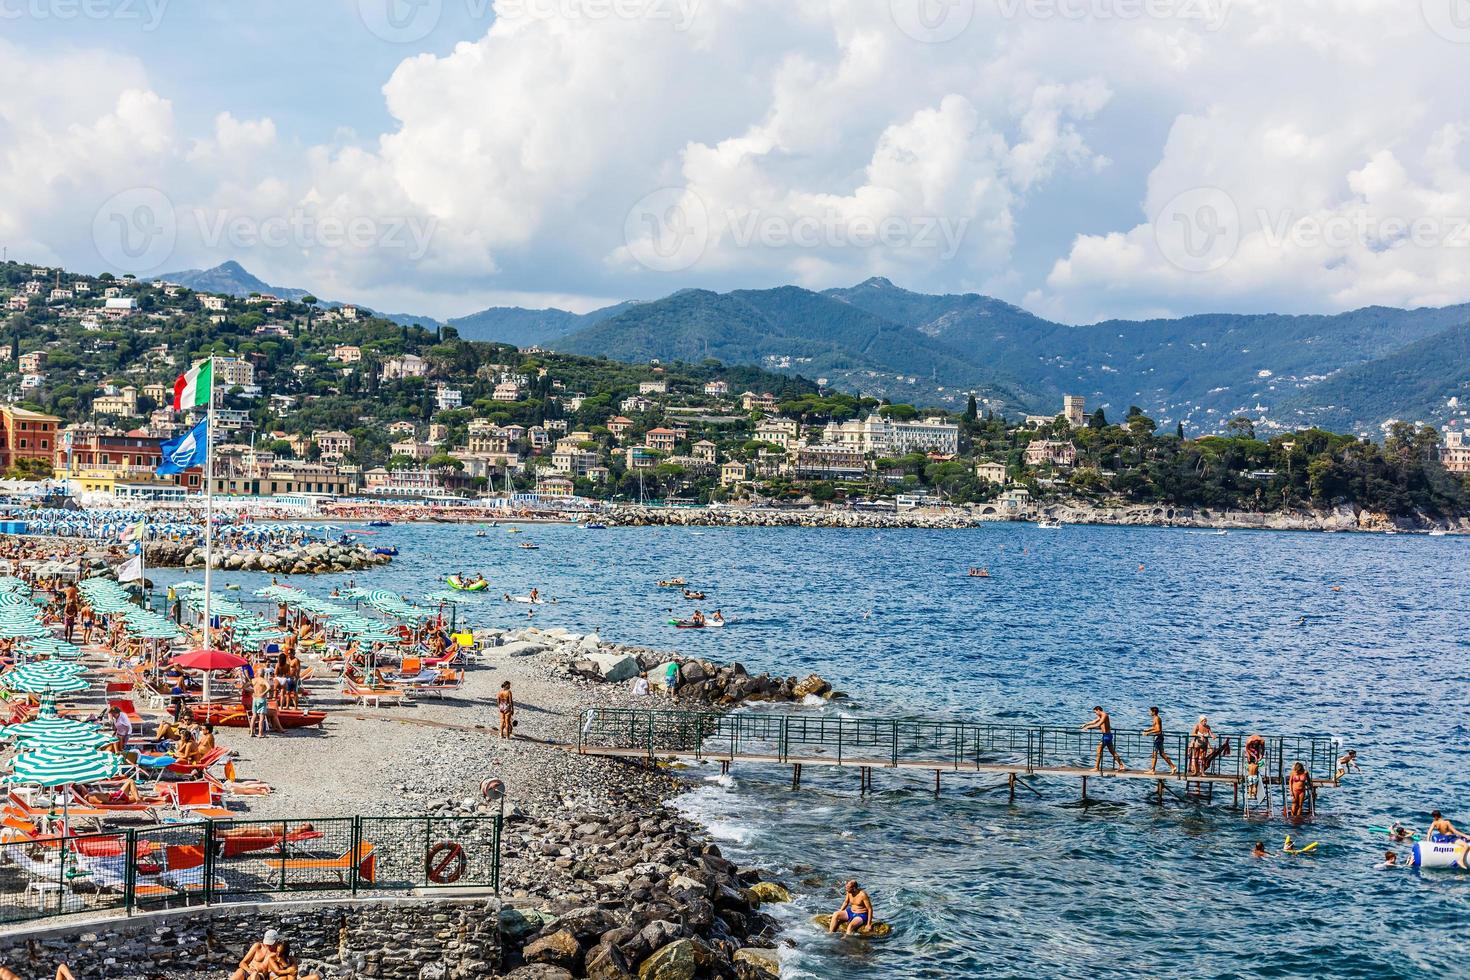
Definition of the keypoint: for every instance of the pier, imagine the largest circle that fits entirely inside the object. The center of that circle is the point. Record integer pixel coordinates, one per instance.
(1019, 755)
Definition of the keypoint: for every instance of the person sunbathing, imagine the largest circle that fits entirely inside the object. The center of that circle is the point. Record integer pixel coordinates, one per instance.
(284, 965)
(125, 792)
(255, 965)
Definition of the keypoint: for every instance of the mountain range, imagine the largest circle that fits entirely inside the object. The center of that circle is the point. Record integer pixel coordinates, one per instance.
(232, 279)
(1349, 371)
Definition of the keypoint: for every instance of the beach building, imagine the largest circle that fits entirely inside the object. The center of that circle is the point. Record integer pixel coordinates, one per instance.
(885, 437)
(26, 435)
(554, 486)
(778, 432)
(573, 460)
(733, 474)
(830, 462)
(1455, 455)
(642, 458)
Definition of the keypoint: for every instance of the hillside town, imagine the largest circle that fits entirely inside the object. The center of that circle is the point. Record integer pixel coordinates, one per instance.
(322, 402)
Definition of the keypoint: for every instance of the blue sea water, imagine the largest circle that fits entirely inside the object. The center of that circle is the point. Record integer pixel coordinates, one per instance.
(1244, 627)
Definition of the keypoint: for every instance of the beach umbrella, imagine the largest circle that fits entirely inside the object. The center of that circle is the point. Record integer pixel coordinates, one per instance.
(209, 661)
(14, 629)
(51, 646)
(51, 731)
(45, 678)
(51, 767)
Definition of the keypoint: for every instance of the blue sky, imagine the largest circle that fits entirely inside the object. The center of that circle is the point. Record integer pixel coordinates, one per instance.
(1216, 154)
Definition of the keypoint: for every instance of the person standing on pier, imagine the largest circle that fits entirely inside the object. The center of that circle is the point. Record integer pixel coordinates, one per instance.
(1102, 723)
(1156, 729)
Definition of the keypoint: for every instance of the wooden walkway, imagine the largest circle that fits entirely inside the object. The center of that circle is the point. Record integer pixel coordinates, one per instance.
(1018, 754)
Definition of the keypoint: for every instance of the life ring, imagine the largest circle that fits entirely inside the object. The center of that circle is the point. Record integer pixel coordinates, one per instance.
(445, 862)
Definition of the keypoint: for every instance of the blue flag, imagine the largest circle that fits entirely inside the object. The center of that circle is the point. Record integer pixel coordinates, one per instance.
(185, 452)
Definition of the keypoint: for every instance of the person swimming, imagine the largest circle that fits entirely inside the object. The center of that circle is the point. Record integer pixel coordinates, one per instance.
(1441, 831)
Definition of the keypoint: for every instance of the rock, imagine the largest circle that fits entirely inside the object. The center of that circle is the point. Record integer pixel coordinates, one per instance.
(770, 893)
(586, 924)
(522, 648)
(539, 971)
(813, 685)
(680, 960)
(607, 962)
(516, 924)
(657, 674)
(757, 964)
(558, 949)
(614, 667)
(659, 933)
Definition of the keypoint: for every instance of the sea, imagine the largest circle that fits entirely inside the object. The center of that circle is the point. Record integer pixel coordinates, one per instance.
(1359, 637)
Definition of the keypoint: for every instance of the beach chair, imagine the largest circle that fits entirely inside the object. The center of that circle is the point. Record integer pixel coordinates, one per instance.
(374, 696)
(360, 857)
(128, 709)
(197, 800)
(196, 769)
(444, 684)
(411, 666)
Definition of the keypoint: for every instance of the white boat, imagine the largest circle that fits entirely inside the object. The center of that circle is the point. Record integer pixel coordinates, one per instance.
(1050, 523)
(1438, 533)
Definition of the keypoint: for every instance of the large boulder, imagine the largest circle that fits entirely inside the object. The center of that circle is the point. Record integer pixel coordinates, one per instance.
(558, 949)
(516, 924)
(770, 893)
(607, 962)
(657, 675)
(813, 685)
(680, 960)
(539, 971)
(757, 964)
(614, 667)
(521, 648)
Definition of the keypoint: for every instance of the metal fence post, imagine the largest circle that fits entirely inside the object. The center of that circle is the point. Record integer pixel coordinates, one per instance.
(130, 871)
(495, 867)
(356, 846)
(209, 862)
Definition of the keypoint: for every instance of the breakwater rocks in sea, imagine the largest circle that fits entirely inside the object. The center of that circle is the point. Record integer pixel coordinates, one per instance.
(732, 517)
(700, 682)
(303, 559)
(624, 887)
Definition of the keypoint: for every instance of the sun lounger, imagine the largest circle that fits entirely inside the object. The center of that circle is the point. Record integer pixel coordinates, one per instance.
(360, 857)
(197, 799)
(375, 696)
(215, 756)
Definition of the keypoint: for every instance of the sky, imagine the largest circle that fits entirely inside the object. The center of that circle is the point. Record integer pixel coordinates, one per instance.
(1085, 159)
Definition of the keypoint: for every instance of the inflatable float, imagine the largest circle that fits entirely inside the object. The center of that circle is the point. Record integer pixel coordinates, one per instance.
(708, 624)
(880, 930)
(526, 600)
(1441, 854)
(455, 582)
(235, 716)
(390, 550)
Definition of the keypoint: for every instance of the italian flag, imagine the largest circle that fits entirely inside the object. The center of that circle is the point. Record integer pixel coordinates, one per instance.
(194, 386)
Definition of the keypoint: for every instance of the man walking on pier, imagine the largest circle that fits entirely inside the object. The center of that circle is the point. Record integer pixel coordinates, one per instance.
(1156, 729)
(1102, 723)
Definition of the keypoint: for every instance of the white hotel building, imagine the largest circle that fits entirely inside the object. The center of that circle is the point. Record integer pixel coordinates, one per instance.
(884, 437)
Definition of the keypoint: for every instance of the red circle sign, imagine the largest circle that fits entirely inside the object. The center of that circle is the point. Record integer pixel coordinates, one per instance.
(445, 862)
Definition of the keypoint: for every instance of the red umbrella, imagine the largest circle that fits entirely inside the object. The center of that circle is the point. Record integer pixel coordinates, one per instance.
(209, 660)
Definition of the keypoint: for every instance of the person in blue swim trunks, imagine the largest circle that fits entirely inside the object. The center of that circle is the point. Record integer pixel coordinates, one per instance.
(856, 911)
(1102, 723)
(1441, 831)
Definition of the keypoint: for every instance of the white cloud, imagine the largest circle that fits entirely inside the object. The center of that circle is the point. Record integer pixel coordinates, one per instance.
(820, 143)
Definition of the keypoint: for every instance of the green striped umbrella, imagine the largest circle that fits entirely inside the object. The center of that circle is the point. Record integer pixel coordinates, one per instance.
(14, 629)
(63, 767)
(54, 732)
(50, 646)
(49, 677)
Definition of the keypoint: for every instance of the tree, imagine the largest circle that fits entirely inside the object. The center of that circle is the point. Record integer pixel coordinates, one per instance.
(1242, 427)
(1099, 420)
(1179, 431)
(972, 409)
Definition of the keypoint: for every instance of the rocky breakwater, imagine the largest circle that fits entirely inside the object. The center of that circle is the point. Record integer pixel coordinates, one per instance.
(699, 682)
(624, 887)
(815, 517)
(302, 559)
(1345, 517)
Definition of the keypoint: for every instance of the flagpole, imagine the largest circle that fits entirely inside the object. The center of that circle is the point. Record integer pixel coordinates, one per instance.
(208, 511)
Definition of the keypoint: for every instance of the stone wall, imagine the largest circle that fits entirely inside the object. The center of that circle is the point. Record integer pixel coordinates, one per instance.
(393, 939)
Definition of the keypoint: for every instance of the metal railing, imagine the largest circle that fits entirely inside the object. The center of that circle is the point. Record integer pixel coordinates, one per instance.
(774, 737)
(222, 861)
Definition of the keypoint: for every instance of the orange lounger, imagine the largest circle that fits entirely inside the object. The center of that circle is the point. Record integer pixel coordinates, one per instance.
(361, 857)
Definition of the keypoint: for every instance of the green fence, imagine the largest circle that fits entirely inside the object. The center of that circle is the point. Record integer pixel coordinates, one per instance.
(219, 861)
(796, 737)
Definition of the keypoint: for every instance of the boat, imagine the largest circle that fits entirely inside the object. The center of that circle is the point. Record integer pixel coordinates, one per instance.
(513, 530)
(481, 534)
(708, 624)
(232, 715)
(387, 549)
(526, 600)
(1438, 532)
(455, 582)
(379, 524)
(529, 546)
(594, 527)
(1049, 523)
(673, 583)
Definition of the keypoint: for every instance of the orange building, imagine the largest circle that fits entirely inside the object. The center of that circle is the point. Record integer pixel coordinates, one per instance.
(26, 435)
